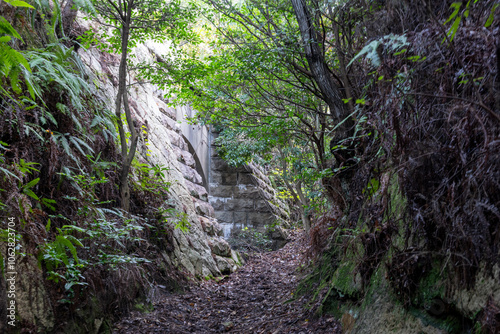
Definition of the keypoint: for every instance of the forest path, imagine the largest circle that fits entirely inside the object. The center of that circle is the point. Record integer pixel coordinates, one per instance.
(254, 299)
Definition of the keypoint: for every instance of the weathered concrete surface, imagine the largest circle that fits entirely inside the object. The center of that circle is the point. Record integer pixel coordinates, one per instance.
(198, 138)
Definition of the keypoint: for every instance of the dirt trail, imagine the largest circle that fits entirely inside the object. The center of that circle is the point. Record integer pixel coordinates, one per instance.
(255, 299)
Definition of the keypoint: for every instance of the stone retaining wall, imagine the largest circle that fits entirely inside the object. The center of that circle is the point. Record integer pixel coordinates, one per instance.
(242, 196)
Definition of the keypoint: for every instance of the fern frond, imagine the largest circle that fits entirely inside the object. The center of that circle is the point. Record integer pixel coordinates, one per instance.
(65, 144)
(31, 128)
(79, 143)
(19, 3)
(7, 29)
(97, 119)
(75, 119)
(46, 115)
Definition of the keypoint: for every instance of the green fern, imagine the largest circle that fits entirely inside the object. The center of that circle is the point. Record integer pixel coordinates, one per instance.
(12, 62)
(55, 64)
(79, 144)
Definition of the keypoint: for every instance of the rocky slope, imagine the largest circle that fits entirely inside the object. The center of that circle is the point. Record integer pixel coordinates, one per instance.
(74, 288)
(202, 251)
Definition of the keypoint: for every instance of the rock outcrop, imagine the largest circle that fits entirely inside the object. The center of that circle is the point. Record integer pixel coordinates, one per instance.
(162, 144)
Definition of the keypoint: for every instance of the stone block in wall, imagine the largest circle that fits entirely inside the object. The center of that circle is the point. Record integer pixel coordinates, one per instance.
(211, 227)
(258, 173)
(224, 216)
(187, 159)
(190, 174)
(279, 211)
(177, 152)
(261, 206)
(170, 112)
(266, 196)
(203, 208)
(196, 190)
(240, 217)
(215, 177)
(260, 218)
(245, 178)
(168, 123)
(206, 225)
(221, 191)
(239, 205)
(243, 191)
(177, 140)
(229, 178)
(213, 151)
(264, 186)
(218, 202)
(218, 164)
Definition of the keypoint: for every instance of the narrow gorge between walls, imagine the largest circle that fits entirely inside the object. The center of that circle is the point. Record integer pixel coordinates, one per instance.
(219, 166)
(212, 198)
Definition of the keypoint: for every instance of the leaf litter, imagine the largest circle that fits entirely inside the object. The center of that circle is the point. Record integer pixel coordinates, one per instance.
(257, 298)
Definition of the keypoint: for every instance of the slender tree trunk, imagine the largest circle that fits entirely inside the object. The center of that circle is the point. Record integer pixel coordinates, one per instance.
(122, 97)
(329, 90)
(297, 193)
(304, 203)
(316, 61)
(343, 70)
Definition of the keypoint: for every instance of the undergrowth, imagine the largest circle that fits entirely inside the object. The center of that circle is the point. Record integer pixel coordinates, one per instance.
(250, 240)
(427, 83)
(59, 176)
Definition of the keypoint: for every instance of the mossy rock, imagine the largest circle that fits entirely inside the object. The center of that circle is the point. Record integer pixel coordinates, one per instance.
(346, 281)
(431, 286)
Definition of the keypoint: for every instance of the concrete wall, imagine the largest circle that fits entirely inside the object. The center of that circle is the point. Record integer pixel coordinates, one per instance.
(241, 196)
(198, 140)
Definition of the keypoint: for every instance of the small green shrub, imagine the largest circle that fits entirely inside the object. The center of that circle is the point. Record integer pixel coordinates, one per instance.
(250, 239)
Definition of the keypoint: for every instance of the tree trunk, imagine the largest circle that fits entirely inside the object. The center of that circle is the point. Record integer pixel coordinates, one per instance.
(297, 193)
(304, 203)
(329, 90)
(122, 96)
(316, 61)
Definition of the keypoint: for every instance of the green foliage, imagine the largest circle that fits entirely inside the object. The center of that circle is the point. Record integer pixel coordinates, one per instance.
(19, 3)
(58, 67)
(104, 233)
(491, 17)
(110, 238)
(178, 218)
(99, 166)
(150, 20)
(372, 51)
(151, 179)
(12, 62)
(460, 12)
(250, 239)
(372, 187)
(26, 189)
(54, 255)
(89, 201)
(239, 146)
